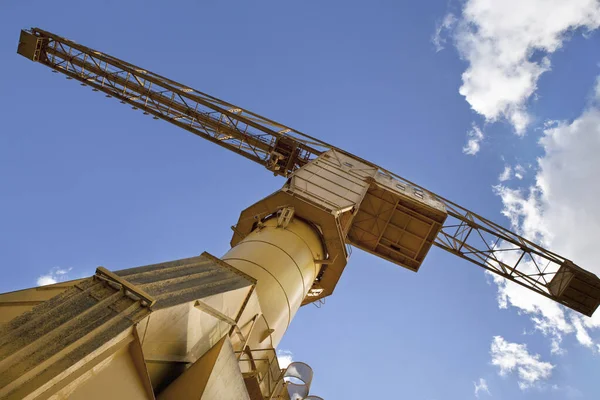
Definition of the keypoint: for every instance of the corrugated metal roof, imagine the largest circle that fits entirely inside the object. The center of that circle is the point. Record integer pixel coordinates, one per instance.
(184, 280)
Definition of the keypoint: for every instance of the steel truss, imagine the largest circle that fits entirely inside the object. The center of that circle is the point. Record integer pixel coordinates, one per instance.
(269, 143)
(283, 150)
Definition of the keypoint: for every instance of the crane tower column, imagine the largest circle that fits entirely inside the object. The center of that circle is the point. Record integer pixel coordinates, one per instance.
(283, 256)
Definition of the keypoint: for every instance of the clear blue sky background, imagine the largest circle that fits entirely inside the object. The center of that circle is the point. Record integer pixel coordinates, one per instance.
(86, 181)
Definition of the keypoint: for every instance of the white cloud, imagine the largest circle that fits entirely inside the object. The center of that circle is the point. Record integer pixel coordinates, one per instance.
(581, 333)
(519, 171)
(481, 387)
(55, 275)
(547, 316)
(507, 44)
(438, 39)
(511, 357)
(506, 174)
(560, 211)
(285, 358)
(46, 280)
(474, 138)
(569, 392)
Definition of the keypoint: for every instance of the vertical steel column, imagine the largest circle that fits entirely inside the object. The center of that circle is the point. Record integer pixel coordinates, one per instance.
(282, 260)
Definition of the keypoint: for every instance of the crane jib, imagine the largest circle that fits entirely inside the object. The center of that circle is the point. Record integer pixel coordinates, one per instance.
(415, 219)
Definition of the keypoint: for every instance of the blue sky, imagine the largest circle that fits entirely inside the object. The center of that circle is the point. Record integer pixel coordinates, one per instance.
(87, 181)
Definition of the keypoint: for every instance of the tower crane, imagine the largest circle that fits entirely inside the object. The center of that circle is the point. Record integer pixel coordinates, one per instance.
(290, 247)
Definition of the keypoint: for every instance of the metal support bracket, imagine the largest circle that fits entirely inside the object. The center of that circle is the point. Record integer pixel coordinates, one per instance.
(106, 275)
(285, 216)
(214, 312)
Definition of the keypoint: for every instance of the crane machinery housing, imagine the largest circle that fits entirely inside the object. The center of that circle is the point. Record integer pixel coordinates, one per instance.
(207, 327)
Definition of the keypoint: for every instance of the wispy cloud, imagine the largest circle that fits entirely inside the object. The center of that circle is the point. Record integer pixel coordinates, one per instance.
(55, 275)
(519, 171)
(506, 174)
(514, 357)
(439, 38)
(481, 387)
(568, 392)
(474, 138)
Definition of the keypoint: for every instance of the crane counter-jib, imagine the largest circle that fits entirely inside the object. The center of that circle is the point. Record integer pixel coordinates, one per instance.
(392, 217)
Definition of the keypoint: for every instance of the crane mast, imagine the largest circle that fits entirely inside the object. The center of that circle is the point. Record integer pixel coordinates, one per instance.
(331, 198)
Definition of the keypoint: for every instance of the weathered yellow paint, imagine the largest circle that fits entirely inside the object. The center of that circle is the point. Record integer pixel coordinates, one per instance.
(96, 339)
(175, 337)
(18, 302)
(118, 378)
(215, 375)
(211, 321)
